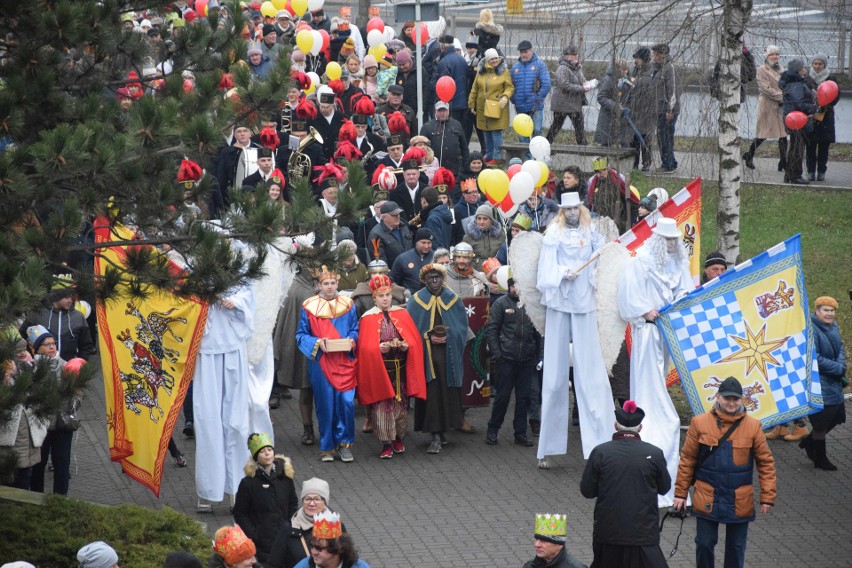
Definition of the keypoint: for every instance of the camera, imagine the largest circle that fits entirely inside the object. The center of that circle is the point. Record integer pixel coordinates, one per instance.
(678, 513)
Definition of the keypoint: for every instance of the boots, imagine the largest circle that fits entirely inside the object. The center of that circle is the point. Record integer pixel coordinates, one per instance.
(797, 433)
(748, 160)
(820, 459)
(775, 433)
(308, 436)
(807, 444)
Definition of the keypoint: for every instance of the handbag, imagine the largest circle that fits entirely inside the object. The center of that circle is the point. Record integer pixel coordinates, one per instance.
(66, 419)
(492, 109)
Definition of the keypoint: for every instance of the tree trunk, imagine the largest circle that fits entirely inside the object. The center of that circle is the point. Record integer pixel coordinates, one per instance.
(735, 16)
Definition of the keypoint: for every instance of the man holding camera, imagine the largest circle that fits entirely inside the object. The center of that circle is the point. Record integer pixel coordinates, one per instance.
(626, 475)
(719, 455)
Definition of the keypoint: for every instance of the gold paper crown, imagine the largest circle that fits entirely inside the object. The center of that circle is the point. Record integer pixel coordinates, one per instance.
(327, 525)
(469, 183)
(490, 265)
(233, 545)
(325, 273)
(551, 526)
(599, 164)
(257, 441)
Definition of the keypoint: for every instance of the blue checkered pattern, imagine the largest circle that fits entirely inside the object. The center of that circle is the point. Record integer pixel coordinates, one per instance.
(703, 331)
(788, 389)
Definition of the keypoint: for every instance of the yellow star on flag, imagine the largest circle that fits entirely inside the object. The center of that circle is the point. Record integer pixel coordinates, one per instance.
(755, 350)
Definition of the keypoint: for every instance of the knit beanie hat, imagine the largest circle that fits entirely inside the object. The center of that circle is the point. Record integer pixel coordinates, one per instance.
(97, 554)
(370, 61)
(485, 210)
(316, 486)
(403, 57)
(794, 66)
(36, 335)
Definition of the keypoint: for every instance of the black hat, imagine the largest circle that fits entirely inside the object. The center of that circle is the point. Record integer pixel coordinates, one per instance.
(649, 202)
(397, 140)
(446, 39)
(390, 208)
(410, 165)
(441, 188)
(629, 415)
(299, 125)
(359, 119)
(794, 66)
(154, 32)
(264, 152)
(661, 48)
(274, 180)
(423, 234)
(642, 53)
(524, 45)
(327, 98)
(268, 29)
(319, 12)
(396, 89)
(715, 257)
(472, 41)
(570, 50)
(731, 387)
(329, 182)
(475, 155)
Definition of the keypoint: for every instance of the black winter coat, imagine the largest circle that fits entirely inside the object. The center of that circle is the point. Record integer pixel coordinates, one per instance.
(797, 94)
(626, 475)
(389, 246)
(562, 560)
(448, 142)
(265, 503)
(511, 334)
(68, 327)
(824, 129)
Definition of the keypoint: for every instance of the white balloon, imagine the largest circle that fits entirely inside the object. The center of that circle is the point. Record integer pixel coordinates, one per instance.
(317, 46)
(521, 186)
(532, 168)
(315, 80)
(389, 34)
(375, 37)
(314, 5)
(508, 214)
(540, 148)
(502, 277)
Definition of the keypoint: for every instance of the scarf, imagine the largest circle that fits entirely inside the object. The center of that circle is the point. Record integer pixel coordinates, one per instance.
(301, 520)
(819, 77)
(775, 66)
(466, 272)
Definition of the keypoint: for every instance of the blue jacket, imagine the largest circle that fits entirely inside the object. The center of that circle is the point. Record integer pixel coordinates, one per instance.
(439, 220)
(453, 65)
(524, 77)
(406, 269)
(797, 94)
(831, 359)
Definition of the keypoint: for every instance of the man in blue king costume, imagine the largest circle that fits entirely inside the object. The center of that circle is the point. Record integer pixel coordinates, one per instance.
(441, 320)
(328, 316)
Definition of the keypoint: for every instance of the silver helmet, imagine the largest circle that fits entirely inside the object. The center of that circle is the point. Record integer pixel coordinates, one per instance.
(377, 267)
(462, 249)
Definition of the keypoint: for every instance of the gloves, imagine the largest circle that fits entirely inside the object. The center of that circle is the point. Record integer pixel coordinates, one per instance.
(504, 101)
(570, 275)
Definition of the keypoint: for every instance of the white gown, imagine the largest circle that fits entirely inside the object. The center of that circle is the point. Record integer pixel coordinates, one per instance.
(571, 318)
(220, 397)
(644, 288)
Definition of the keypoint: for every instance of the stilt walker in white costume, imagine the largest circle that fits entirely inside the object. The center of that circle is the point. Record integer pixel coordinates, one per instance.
(657, 276)
(569, 294)
(221, 398)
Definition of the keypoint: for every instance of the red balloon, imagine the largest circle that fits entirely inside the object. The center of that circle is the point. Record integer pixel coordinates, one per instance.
(375, 23)
(506, 204)
(446, 88)
(796, 120)
(326, 40)
(74, 365)
(513, 169)
(289, 8)
(827, 93)
(423, 31)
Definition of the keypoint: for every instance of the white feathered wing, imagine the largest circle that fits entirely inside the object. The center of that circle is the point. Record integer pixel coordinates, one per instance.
(611, 262)
(523, 258)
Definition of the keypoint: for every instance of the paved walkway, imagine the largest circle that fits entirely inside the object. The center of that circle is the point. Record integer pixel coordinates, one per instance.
(473, 504)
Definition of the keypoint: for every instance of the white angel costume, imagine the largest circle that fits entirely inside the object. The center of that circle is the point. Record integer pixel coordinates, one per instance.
(221, 396)
(571, 318)
(654, 278)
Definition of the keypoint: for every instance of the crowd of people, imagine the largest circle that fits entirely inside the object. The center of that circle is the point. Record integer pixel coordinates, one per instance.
(389, 326)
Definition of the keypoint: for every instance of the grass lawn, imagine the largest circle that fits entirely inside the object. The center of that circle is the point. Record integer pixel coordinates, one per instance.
(770, 214)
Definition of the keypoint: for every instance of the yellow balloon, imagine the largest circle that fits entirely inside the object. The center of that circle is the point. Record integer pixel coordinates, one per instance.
(299, 7)
(495, 184)
(333, 71)
(544, 174)
(523, 125)
(305, 41)
(279, 4)
(378, 51)
(268, 9)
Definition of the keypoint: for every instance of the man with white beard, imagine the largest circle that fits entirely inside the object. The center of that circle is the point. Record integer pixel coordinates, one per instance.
(658, 275)
(569, 294)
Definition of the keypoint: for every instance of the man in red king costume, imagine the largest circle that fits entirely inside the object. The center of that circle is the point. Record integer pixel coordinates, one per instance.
(326, 319)
(390, 366)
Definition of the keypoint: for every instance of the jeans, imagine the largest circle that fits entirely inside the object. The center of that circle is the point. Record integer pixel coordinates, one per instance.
(57, 447)
(509, 375)
(187, 405)
(706, 537)
(493, 143)
(665, 137)
(537, 118)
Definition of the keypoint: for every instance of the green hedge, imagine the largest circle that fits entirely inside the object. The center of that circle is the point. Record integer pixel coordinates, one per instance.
(50, 535)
